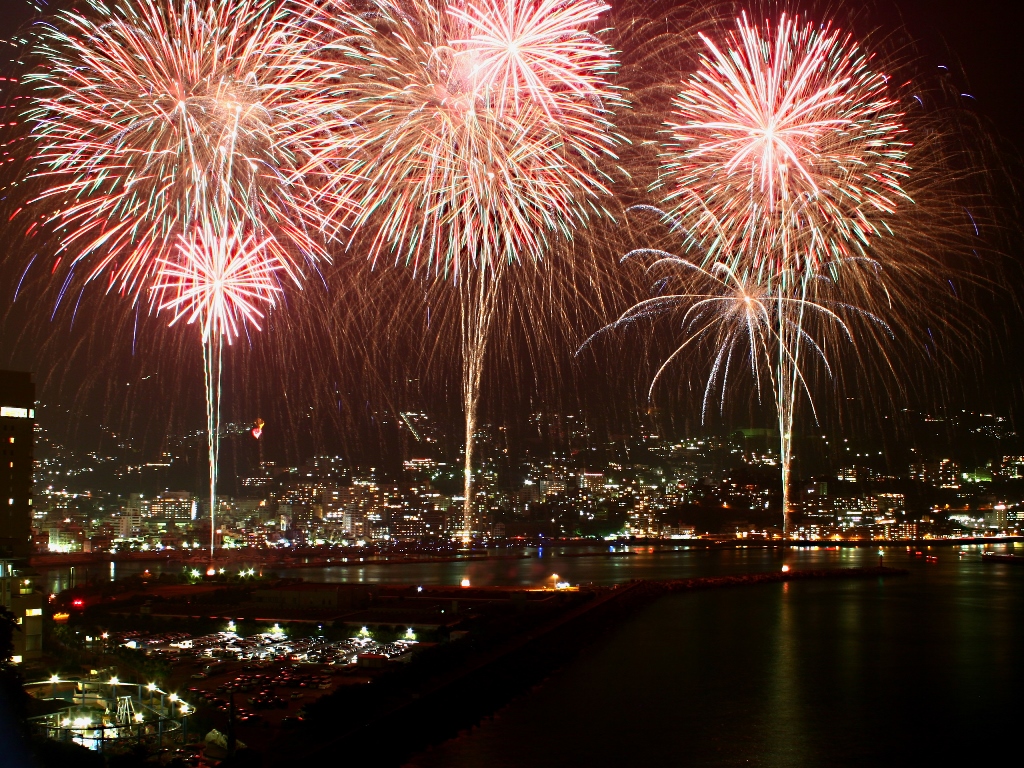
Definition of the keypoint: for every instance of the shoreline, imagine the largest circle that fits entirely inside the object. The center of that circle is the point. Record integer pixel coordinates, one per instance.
(464, 696)
(615, 549)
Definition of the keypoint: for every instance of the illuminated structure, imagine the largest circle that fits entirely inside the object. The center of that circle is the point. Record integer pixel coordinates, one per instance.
(17, 420)
(98, 714)
(19, 596)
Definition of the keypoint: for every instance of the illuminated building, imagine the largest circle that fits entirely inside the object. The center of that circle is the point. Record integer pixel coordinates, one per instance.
(168, 510)
(943, 473)
(407, 526)
(19, 596)
(996, 517)
(855, 510)
(17, 423)
(130, 521)
(65, 537)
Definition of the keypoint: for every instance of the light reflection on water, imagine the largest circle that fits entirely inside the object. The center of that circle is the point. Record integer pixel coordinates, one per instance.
(596, 567)
(900, 671)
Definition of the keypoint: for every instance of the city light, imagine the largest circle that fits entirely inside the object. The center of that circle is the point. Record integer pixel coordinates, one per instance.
(796, 210)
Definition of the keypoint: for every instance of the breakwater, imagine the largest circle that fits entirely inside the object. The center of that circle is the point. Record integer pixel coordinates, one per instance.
(486, 681)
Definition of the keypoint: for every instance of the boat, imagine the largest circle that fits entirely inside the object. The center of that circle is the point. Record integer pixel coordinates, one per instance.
(996, 557)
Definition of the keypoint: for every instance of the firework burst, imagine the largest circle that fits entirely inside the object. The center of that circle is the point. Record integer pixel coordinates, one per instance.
(783, 166)
(785, 148)
(178, 126)
(151, 117)
(471, 135)
(222, 281)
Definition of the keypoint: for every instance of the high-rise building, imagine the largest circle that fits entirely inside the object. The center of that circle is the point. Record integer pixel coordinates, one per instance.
(17, 424)
(172, 509)
(20, 595)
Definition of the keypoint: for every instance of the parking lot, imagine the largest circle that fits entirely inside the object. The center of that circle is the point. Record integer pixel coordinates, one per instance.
(267, 677)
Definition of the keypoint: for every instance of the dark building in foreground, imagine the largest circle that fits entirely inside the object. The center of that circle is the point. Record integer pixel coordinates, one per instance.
(17, 422)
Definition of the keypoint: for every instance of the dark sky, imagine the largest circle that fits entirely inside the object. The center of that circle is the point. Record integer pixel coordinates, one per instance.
(978, 40)
(983, 34)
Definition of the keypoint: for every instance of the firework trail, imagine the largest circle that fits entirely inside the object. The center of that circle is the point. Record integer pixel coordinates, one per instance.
(221, 282)
(164, 129)
(783, 166)
(471, 136)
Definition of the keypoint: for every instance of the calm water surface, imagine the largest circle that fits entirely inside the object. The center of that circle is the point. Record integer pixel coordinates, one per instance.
(903, 672)
(924, 670)
(644, 562)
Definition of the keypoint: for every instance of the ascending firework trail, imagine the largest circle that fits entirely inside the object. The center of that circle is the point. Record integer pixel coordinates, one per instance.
(169, 140)
(469, 135)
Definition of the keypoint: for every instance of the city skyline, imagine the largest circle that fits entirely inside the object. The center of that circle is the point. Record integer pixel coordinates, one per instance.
(510, 382)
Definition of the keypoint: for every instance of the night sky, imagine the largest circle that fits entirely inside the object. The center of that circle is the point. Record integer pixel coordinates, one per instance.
(978, 41)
